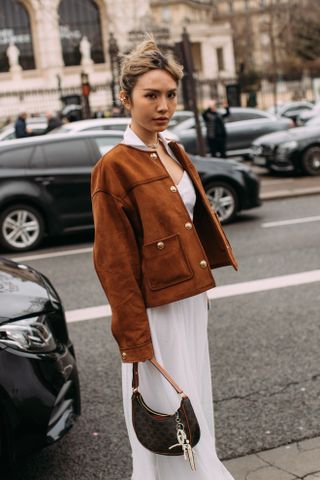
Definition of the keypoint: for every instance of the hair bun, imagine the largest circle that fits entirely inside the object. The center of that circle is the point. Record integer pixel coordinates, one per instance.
(147, 45)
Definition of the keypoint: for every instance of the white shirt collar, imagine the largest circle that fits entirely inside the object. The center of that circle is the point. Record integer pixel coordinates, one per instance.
(130, 138)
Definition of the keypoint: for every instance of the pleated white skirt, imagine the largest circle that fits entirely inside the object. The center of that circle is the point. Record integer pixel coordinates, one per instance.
(180, 342)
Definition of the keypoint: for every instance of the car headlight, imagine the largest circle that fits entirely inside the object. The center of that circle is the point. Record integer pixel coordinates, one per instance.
(287, 146)
(31, 335)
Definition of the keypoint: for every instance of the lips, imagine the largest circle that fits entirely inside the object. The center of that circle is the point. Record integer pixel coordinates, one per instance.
(161, 119)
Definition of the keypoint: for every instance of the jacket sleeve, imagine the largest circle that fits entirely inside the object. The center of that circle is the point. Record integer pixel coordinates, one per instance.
(117, 263)
(205, 114)
(227, 112)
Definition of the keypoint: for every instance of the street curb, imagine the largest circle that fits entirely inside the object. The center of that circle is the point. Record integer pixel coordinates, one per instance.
(289, 194)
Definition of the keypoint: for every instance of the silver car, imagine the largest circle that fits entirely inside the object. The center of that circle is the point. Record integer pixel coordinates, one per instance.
(243, 125)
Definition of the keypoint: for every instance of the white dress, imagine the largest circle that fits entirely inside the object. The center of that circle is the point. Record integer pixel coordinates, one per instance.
(180, 342)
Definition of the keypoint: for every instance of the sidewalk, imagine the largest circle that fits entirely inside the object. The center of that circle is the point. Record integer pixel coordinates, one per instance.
(284, 187)
(297, 461)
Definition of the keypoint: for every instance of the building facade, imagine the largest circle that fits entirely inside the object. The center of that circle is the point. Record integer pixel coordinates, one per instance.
(45, 45)
(258, 29)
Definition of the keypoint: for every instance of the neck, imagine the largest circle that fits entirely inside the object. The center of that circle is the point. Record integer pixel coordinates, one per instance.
(149, 138)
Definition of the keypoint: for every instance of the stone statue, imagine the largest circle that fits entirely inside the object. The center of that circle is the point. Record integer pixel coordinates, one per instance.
(13, 53)
(85, 50)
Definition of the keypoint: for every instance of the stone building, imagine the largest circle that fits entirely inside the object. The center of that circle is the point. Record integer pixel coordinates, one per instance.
(46, 44)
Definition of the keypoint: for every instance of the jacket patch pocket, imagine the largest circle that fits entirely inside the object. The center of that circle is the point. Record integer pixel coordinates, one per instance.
(165, 263)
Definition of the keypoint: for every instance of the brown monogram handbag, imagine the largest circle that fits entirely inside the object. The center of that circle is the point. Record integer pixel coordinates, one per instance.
(162, 433)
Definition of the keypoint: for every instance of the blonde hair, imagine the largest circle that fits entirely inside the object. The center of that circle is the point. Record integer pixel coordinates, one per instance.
(145, 57)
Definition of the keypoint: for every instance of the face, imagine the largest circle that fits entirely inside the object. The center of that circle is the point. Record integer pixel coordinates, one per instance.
(153, 102)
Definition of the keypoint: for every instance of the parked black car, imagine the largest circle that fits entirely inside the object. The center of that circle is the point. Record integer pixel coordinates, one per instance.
(243, 125)
(297, 150)
(230, 186)
(45, 185)
(39, 386)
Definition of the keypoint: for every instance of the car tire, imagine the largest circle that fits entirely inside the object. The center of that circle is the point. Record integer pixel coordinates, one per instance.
(311, 161)
(21, 228)
(224, 200)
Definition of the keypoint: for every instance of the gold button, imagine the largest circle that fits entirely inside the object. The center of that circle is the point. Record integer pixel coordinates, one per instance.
(160, 245)
(188, 225)
(124, 355)
(173, 188)
(153, 156)
(203, 264)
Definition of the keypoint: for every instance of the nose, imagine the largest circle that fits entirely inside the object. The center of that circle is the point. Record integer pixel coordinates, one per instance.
(163, 104)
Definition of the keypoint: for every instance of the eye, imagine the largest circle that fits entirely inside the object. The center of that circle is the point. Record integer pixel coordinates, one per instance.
(151, 95)
(172, 94)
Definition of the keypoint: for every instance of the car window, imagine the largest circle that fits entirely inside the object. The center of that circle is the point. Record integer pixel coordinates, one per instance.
(67, 153)
(245, 115)
(38, 130)
(302, 107)
(62, 129)
(15, 157)
(10, 136)
(106, 143)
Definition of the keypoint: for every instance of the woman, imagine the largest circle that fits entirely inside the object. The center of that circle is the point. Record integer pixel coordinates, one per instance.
(156, 240)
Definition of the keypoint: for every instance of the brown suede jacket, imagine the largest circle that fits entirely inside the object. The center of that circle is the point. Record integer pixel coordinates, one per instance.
(147, 251)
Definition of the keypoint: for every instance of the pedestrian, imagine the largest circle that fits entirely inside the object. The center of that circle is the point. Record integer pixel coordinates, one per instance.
(53, 122)
(20, 126)
(216, 130)
(156, 240)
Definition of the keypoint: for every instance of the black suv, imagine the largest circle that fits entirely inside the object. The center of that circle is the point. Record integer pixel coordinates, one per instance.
(45, 185)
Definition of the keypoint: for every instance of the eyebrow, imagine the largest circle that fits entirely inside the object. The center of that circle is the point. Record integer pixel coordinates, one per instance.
(157, 91)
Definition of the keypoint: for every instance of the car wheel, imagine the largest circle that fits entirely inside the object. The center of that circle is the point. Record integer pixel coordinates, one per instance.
(224, 200)
(21, 228)
(311, 161)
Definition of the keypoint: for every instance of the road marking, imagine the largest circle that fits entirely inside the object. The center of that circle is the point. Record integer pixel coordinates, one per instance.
(291, 222)
(232, 290)
(61, 253)
(264, 284)
(89, 313)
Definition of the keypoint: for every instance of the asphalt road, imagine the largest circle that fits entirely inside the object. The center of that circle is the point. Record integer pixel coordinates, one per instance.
(264, 350)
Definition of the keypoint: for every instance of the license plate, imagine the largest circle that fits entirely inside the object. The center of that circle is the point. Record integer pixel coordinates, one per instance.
(259, 160)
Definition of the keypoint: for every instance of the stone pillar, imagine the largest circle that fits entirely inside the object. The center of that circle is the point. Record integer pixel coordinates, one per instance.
(229, 58)
(209, 60)
(48, 39)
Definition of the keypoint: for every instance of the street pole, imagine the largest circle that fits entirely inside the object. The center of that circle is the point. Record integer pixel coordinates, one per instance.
(189, 69)
(85, 87)
(58, 77)
(115, 66)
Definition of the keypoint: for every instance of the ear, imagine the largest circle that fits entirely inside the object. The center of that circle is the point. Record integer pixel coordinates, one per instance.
(124, 99)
